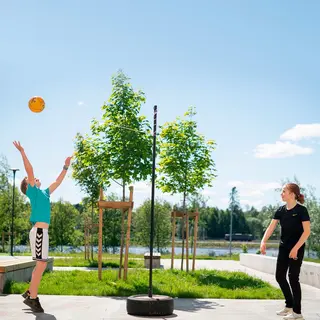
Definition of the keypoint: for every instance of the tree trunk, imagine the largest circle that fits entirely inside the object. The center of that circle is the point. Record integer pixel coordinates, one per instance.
(230, 235)
(182, 228)
(122, 229)
(61, 237)
(192, 233)
(91, 231)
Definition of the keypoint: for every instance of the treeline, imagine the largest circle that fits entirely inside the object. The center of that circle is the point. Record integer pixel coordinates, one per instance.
(68, 222)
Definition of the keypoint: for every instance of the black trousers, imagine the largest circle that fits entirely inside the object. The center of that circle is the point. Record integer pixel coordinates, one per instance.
(291, 293)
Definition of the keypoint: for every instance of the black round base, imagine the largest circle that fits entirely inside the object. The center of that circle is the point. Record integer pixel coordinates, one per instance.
(142, 305)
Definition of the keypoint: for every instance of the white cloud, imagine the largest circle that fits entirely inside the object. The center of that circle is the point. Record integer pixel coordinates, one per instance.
(302, 131)
(253, 189)
(142, 187)
(225, 200)
(80, 103)
(208, 192)
(252, 193)
(235, 183)
(280, 150)
(244, 202)
(251, 185)
(211, 203)
(269, 185)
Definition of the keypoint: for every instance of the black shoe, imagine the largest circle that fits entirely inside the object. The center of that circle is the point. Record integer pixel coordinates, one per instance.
(26, 294)
(34, 304)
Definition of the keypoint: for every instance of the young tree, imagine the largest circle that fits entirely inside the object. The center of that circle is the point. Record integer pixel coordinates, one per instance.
(185, 164)
(87, 173)
(112, 226)
(162, 221)
(234, 204)
(124, 138)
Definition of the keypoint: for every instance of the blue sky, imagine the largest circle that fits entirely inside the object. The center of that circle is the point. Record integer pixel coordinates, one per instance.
(250, 68)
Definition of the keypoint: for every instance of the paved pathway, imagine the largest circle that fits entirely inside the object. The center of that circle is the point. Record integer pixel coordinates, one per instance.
(92, 308)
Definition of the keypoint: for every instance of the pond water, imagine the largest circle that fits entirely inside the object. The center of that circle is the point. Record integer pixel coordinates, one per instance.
(214, 251)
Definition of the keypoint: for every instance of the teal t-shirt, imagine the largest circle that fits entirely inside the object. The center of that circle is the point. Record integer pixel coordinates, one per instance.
(40, 204)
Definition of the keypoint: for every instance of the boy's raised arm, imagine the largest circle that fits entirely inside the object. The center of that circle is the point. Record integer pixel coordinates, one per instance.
(26, 162)
(61, 176)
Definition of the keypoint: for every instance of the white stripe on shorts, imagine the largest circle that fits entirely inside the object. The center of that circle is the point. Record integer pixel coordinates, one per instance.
(39, 243)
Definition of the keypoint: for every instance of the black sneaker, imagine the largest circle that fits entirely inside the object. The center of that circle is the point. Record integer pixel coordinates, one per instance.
(34, 304)
(26, 294)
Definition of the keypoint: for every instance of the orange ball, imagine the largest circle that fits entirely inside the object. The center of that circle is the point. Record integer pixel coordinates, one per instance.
(36, 104)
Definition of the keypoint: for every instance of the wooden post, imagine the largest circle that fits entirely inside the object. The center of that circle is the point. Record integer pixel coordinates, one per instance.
(100, 237)
(195, 235)
(126, 257)
(3, 241)
(88, 244)
(173, 238)
(115, 205)
(85, 241)
(187, 242)
(121, 242)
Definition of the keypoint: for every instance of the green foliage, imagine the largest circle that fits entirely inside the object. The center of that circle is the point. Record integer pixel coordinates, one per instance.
(85, 165)
(185, 162)
(234, 203)
(106, 263)
(4, 173)
(255, 226)
(244, 248)
(162, 221)
(112, 226)
(63, 228)
(21, 210)
(123, 136)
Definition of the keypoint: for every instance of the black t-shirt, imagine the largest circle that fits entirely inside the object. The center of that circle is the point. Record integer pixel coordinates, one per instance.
(291, 224)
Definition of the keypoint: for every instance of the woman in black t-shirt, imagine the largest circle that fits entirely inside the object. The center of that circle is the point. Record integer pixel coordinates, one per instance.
(295, 230)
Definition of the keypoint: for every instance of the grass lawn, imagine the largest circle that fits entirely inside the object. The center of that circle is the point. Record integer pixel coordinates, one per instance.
(141, 256)
(312, 260)
(106, 263)
(175, 283)
(112, 261)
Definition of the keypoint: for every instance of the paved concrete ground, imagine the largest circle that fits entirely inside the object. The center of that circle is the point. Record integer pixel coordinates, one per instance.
(80, 308)
(84, 308)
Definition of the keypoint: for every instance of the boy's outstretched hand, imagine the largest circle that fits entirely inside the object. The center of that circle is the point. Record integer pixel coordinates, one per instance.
(67, 162)
(18, 146)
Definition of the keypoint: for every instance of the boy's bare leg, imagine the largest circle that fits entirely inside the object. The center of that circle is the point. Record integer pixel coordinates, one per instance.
(36, 278)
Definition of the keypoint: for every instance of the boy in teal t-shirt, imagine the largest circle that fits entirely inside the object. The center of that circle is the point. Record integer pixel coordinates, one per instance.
(40, 219)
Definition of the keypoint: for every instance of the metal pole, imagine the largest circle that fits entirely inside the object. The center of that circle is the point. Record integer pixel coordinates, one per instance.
(12, 214)
(230, 236)
(152, 197)
(231, 216)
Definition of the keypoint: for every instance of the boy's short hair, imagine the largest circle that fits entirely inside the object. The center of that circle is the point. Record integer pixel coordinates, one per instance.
(24, 185)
